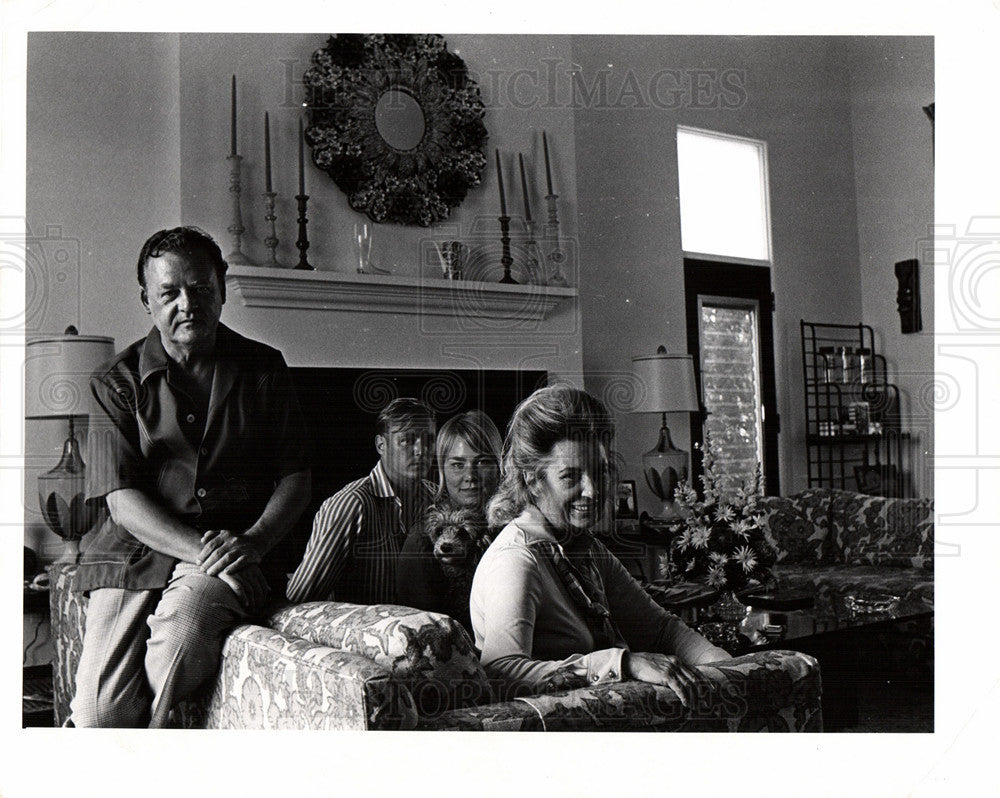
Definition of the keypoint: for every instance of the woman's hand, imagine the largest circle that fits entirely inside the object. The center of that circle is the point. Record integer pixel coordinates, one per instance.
(667, 670)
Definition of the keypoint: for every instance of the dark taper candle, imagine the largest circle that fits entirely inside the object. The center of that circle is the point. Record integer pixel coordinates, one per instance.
(548, 169)
(232, 124)
(503, 200)
(267, 150)
(524, 189)
(302, 162)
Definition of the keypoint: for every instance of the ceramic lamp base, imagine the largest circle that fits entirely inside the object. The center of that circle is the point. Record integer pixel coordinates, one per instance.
(62, 500)
(664, 467)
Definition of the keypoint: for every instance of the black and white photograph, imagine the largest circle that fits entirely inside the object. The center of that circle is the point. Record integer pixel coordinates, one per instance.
(626, 506)
(340, 350)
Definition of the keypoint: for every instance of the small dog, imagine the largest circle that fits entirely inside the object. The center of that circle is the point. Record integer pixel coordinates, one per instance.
(459, 540)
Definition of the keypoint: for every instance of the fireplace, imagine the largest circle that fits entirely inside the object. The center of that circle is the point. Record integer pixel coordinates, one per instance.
(341, 405)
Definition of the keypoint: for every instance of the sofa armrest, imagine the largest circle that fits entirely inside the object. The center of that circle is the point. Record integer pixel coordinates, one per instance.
(771, 691)
(428, 652)
(768, 690)
(269, 680)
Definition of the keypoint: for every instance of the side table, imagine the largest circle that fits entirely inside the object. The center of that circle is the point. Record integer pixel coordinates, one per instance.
(36, 673)
(641, 543)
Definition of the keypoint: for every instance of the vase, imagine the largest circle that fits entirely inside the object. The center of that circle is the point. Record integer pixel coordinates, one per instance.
(729, 607)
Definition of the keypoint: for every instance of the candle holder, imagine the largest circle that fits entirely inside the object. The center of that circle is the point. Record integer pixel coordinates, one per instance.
(533, 261)
(271, 242)
(556, 256)
(505, 258)
(303, 242)
(236, 229)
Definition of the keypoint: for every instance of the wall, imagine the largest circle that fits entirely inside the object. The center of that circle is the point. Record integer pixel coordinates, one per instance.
(892, 78)
(128, 133)
(269, 70)
(103, 171)
(791, 92)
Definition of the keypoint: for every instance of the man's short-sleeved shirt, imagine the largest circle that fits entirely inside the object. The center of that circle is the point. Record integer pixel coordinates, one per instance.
(215, 466)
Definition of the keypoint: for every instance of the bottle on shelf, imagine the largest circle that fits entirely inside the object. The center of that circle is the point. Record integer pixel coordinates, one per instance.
(864, 363)
(844, 364)
(829, 363)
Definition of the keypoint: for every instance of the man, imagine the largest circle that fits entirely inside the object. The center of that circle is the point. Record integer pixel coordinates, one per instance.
(358, 532)
(197, 450)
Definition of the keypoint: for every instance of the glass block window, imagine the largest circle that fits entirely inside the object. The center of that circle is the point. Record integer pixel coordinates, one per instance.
(724, 202)
(730, 365)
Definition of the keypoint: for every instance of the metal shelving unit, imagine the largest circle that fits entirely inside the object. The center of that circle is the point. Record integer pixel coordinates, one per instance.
(854, 438)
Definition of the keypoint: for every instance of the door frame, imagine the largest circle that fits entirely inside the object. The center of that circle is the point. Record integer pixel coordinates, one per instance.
(725, 280)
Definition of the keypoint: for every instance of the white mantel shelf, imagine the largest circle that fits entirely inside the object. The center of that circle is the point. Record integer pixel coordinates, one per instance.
(264, 286)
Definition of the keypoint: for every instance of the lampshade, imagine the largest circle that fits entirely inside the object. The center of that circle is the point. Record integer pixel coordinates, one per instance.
(665, 383)
(57, 371)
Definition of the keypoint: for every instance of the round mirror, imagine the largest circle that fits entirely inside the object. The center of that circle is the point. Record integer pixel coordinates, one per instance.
(399, 119)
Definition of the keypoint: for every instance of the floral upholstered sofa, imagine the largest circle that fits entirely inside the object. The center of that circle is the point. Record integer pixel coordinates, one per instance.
(330, 665)
(838, 544)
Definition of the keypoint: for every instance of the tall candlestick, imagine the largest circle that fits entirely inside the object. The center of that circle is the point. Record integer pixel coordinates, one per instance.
(524, 189)
(302, 168)
(503, 200)
(267, 149)
(548, 169)
(232, 125)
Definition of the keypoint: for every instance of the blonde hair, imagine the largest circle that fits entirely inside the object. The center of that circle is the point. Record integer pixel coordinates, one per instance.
(547, 417)
(476, 429)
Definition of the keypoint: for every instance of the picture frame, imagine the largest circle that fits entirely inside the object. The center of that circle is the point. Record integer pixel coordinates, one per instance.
(626, 504)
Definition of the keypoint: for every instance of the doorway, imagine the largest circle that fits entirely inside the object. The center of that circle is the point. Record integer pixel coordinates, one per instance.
(730, 332)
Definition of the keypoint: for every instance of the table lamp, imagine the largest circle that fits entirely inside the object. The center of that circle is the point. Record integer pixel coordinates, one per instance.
(57, 373)
(665, 385)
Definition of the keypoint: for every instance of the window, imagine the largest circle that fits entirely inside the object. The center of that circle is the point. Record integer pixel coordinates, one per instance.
(730, 365)
(724, 203)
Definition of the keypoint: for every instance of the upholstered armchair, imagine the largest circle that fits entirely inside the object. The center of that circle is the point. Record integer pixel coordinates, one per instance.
(331, 665)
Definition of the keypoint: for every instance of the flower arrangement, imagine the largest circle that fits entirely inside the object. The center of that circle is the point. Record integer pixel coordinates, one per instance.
(723, 541)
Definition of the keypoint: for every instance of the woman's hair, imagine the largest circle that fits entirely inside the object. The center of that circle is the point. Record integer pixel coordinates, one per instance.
(477, 430)
(550, 415)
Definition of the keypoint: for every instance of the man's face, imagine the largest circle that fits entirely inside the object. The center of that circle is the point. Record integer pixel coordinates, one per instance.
(406, 452)
(184, 298)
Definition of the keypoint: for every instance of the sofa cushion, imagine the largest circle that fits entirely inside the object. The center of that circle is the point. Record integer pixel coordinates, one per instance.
(875, 530)
(430, 652)
(799, 525)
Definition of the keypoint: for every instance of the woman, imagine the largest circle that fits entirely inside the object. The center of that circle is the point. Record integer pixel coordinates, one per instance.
(551, 607)
(468, 460)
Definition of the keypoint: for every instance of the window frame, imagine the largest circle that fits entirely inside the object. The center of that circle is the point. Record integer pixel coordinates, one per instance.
(764, 169)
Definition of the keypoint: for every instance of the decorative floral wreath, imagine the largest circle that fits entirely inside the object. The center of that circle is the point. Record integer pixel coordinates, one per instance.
(417, 186)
